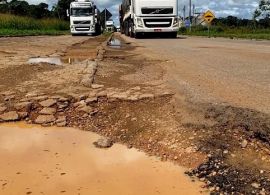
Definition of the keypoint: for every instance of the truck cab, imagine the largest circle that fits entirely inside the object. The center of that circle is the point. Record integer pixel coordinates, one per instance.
(110, 26)
(149, 16)
(84, 17)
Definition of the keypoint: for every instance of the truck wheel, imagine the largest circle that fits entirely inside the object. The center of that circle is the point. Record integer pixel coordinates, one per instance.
(131, 30)
(137, 35)
(97, 30)
(173, 35)
(126, 28)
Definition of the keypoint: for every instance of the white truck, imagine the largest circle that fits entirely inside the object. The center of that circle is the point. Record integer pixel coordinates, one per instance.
(149, 16)
(84, 18)
(110, 26)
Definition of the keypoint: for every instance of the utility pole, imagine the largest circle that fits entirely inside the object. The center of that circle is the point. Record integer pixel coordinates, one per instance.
(184, 12)
(195, 18)
(105, 25)
(190, 21)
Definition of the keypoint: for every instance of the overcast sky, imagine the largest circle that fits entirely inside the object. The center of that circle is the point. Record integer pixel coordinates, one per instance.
(239, 8)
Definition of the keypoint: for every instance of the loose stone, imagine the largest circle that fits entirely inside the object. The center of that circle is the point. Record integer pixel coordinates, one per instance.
(10, 116)
(48, 111)
(26, 106)
(103, 143)
(45, 119)
(48, 103)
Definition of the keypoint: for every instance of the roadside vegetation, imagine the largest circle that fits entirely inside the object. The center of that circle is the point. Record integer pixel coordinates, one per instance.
(11, 25)
(236, 32)
(19, 18)
(232, 27)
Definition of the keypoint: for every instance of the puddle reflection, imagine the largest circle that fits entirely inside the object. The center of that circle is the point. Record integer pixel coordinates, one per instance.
(114, 43)
(55, 60)
(51, 60)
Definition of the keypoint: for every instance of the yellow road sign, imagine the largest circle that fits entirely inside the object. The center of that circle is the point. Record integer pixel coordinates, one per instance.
(209, 16)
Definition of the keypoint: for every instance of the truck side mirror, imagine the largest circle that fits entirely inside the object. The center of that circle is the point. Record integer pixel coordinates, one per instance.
(67, 13)
(96, 12)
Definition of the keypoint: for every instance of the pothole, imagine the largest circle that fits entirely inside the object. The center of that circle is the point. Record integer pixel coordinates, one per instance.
(56, 60)
(49, 60)
(25, 148)
(114, 43)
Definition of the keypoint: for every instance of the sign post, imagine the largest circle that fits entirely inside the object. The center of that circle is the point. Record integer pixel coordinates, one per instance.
(208, 18)
(104, 16)
(209, 31)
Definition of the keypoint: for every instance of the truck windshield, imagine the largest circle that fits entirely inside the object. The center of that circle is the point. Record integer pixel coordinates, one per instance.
(81, 11)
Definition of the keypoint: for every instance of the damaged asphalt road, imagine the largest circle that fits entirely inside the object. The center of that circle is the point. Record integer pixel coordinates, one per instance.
(126, 93)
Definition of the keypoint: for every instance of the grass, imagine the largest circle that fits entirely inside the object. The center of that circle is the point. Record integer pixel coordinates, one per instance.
(236, 32)
(11, 25)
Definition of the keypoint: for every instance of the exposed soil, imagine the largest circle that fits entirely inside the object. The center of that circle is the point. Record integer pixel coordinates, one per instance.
(238, 149)
(215, 130)
(16, 75)
(226, 146)
(20, 77)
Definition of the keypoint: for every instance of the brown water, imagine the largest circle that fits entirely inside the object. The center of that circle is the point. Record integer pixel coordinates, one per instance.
(56, 60)
(115, 43)
(50, 60)
(36, 160)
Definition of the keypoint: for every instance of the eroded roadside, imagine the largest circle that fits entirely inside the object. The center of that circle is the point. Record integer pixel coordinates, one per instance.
(129, 101)
(68, 95)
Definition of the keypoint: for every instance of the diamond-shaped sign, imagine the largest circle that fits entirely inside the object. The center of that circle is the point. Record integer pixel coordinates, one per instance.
(209, 16)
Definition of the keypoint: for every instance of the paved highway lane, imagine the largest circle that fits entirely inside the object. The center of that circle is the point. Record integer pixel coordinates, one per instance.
(217, 70)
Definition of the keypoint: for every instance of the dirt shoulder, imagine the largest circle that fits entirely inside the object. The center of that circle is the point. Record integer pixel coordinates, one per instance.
(19, 76)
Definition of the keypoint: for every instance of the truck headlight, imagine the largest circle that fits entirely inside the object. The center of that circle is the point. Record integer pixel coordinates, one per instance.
(139, 22)
(176, 22)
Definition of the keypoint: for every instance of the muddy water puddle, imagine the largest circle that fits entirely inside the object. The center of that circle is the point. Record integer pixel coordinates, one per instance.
(49, 60)
(115, 43)
(36, 160)
(55, 60)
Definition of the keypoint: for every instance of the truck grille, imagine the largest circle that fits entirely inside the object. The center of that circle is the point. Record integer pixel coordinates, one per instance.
(157, 10)
(82, 22)
(158, 22)
(82, 29)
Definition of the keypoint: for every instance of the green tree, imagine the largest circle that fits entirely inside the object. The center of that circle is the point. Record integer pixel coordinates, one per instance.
(3, 1)
(60, 10)
(39, 11)
(264, 9)
(4, 8)
(19, 7)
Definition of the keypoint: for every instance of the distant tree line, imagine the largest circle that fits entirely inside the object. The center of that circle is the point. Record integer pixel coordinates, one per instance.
(23, 8)
(261, 18)
(233, 22)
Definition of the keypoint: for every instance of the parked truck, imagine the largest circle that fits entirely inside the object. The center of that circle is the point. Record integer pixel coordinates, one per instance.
(84, 18)
(139, 17)
(110, 26)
